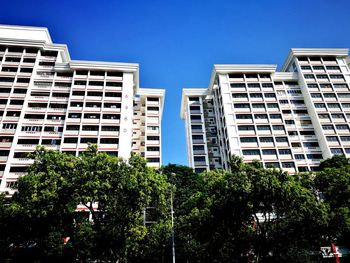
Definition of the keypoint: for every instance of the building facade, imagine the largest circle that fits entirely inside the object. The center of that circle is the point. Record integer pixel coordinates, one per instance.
(290, 119)
(48, 99)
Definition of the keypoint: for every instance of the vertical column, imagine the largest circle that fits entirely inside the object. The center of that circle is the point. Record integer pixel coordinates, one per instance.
(126, 116)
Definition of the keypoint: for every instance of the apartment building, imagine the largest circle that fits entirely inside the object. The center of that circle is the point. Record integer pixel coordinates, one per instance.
(290, 119)
(48, 99)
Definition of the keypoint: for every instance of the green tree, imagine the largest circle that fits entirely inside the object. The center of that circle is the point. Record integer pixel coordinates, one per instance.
(333, 183)
(113, 195)
(250, 212)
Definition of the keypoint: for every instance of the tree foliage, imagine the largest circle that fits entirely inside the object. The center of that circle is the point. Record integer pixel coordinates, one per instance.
(249, 214)
(110, 191)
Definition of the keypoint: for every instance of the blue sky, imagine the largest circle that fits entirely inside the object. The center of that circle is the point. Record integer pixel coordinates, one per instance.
(176, 43)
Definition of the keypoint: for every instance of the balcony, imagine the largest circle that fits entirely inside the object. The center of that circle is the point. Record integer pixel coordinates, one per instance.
(199, 163)
(22, 161)
(246, 132)
(66, 146)
(8, 131)
(244, 121)
(251, 157)
(249, 144)
(89, 133)
(5, 144)
(105, 146)
(3, 159)
(285, 157)
(270, 157)
(198, 152)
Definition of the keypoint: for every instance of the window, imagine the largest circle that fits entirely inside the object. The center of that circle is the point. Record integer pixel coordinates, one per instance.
(318, 67)
(241, 105)
(74, 115)
(266, 139)
(31, 128)
(11, 126)
(255, 95)
(154, 138)
(246, 128)
(307, 133)
(284, 151)
(197, 137)
(278, 127)
(269, 152)
(314, 156)
(263, 128)
(109, 140)
(153, 160)
(281, 139)
(251, 152)
(329, 95)
(309, 76)
(110, 128)
(316, 95)
(332, 138)
(288, 165)
(310, 144)
(248, 139)
(270, 95)
(97, 73)
(320, 105)
(332, 68)
(327, 127)
(89, 140)
(80, 82)
(153, 148)
(340, 86)
(152, 128)
(258, 106)
(290, 122)
(312, 86)
(239, 95)
(305, 67)
(96, 83)
(342, 127)
(275, 116)
(345, 138)
(337, 116)
(90, 128)
(323, 116)
(267, 85)
(337, 77)
(72, 127)
(344, 95)
(197, 128)
(28, 141)
(237, 85)
(116, 94)
(199, 158)
(94, 93)
(260, 116)
(336, 151)
(297, 101)
(244, 116)
(333, 105)
(299, 156)
(272, 105)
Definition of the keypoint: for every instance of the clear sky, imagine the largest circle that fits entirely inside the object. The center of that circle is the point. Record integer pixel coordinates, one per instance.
(177, 42)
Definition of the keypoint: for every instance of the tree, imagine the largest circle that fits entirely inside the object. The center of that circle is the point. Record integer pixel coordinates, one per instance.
(113, 195)
(333, 183)
(250, 212)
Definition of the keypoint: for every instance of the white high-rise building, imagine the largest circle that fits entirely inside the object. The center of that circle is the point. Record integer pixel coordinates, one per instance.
(290, 119)
(48, 99)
